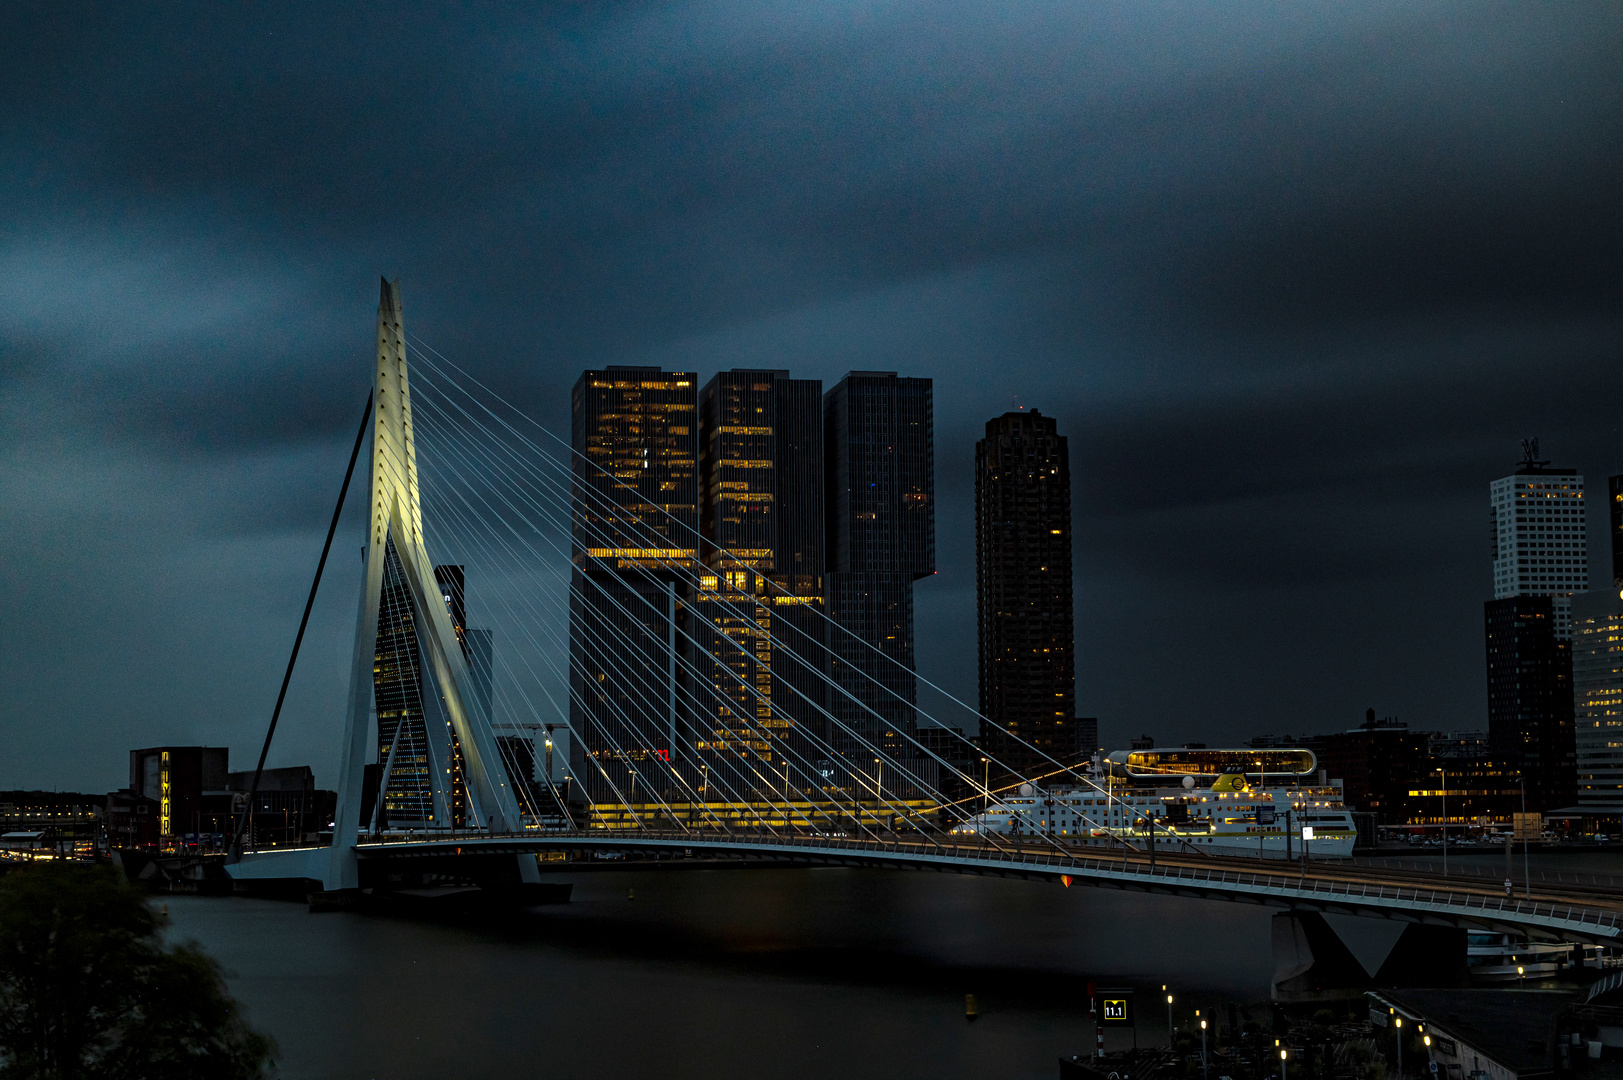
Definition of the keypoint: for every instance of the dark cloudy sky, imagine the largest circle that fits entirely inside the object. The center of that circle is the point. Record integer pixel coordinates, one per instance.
(1295, 278)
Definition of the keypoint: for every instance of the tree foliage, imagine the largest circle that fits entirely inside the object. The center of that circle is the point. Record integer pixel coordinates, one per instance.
(88, 991)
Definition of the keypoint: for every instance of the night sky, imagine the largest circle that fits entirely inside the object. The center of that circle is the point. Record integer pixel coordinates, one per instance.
(1295, 279)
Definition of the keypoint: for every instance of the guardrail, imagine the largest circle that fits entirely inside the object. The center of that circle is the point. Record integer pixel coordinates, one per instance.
(1216, 878)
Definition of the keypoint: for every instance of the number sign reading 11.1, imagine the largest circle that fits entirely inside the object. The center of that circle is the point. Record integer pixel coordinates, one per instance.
(1114, 1008)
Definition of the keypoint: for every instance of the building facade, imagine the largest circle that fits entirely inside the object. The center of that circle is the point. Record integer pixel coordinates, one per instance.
(416, 742)
(879, 458)
(1597, 678)
(758, 614)
(1023, 596)
(634, 523)
(189, 786)
(1530, 701)
(1540, 561)
(1539, 546)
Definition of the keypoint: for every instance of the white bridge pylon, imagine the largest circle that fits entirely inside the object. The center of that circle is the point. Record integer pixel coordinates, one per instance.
(395, 519)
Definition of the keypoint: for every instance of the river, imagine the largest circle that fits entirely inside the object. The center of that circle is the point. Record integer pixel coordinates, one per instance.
(729, 973)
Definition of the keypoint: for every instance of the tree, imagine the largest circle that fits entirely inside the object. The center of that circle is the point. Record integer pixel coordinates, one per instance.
(88, 991)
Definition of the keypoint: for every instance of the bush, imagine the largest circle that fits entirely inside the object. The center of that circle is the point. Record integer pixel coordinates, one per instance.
(88, 991)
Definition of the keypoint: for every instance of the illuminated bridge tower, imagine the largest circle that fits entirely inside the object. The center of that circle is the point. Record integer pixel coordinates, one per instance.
(405, 617)
(634, 511)
(761, 516)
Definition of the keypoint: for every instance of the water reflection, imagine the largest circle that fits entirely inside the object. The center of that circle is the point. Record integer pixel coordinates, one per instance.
(750, 973)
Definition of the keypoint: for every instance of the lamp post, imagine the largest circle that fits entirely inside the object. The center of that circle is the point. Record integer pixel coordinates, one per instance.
(1202, 1045)
(1284, 1072)
(1444, 774)
(1527, 872)
(1169, 1018)
(1398, 1022)
(986, 784)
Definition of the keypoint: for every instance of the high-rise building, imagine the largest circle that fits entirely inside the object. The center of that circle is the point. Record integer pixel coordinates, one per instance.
(1597, 678)
(1023, 597)
(880, 464)
(1539, 546)
(415, 736)
(758, 616)
(1530, 702)
(1614, 492)
(1539, 562)
(634, 513)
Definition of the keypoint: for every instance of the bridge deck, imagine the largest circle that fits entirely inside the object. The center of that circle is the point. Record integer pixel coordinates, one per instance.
(1560, 913)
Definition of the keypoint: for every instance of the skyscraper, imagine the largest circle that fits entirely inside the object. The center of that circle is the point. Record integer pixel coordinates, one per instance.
(761, 600)
(634, 520)
(880, 491)
(1539, 545)
(1539, 562)
(1023, 608)
(1597, 679)
(415, 740)
(1530, 698)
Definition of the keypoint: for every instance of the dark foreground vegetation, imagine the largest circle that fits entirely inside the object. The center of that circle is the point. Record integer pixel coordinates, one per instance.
(89, 991)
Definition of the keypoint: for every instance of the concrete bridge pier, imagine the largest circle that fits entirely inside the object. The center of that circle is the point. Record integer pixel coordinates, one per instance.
(1319, 957)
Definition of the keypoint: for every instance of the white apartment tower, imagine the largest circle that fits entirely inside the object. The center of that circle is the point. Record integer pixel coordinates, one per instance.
(1538, 536)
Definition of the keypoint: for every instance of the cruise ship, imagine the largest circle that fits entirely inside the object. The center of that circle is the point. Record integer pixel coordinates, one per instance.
(1269, 803)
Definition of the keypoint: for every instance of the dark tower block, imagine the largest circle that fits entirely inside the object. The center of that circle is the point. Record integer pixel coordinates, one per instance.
(634, 510)
(1530, 702)
(758, 709)
(1614, 500)
(880, 460)
(1023, 607)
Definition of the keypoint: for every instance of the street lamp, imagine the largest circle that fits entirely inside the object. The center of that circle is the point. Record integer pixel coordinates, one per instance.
(1284, 1073)
(1202, 1045)
(1444, 774)
(986, 784)
(1398, 1021)
(1169, 1017)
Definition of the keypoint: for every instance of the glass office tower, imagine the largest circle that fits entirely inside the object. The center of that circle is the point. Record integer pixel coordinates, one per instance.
(634, 523)
(879, 458)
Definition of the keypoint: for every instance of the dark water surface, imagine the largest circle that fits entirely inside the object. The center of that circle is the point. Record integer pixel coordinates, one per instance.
(741, 973)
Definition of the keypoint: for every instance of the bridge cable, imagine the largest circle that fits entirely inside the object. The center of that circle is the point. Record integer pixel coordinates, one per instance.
(298, 639)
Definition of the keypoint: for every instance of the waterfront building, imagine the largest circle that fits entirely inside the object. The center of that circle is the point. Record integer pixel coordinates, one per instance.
(1472, 745)
(634, 522)
(1530, 698)
(1378, 764)
(189, 784)
(879, 458)
(1597, 676)
(759, 623)
(1539, 562)
(1539, 546)
(66, 822)
(1023, 601)
(287, 808)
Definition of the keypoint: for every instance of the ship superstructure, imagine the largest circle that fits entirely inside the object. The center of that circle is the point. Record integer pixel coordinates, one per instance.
(1187, 800)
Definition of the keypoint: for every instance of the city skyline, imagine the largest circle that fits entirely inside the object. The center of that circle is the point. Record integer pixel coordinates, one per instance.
(1296, 302)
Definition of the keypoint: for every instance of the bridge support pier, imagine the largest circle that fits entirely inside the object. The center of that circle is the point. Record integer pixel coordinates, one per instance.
(1317, 958)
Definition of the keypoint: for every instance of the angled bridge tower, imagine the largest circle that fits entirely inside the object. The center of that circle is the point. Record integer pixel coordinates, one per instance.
(395, 549)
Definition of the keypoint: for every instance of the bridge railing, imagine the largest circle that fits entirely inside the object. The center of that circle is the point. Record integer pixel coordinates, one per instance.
(924, 850)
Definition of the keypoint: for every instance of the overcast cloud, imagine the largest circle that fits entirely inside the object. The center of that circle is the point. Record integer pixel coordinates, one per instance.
(1294, 278)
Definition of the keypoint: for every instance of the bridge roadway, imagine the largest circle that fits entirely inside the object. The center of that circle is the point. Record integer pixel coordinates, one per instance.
(1558, 913)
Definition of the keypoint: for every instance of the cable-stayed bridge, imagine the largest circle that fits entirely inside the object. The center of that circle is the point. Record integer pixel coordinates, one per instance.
(690, 693)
